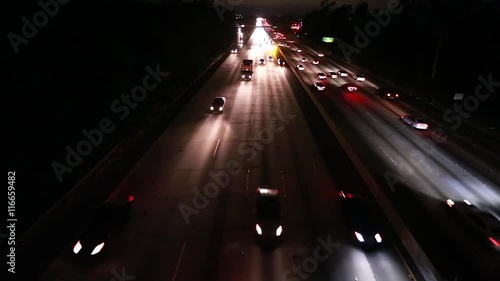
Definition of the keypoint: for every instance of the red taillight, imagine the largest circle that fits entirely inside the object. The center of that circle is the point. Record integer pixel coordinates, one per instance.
(495, 242)
(130, 198)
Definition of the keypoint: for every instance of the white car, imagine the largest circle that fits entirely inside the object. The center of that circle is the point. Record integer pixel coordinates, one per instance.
(342, 73)
(315, 61)
(321, 75)
(299, 50)
(321, 55)
(300, 67)
(359, 77)
(333, 74)
(319, 86)
(414, 122)
(303, 59)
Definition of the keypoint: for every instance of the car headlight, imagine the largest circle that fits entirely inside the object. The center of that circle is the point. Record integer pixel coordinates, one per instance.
(243, 76)
(97, 249)
(77, 247)
(378, 238)
(279, 230)
(359, 237)
(211, 108)
(220, 108)
(258, 229)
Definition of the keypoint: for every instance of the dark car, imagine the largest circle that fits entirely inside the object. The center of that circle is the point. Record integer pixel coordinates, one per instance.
(360, 219)
(218, 104)
(262, 62)
(388, 93)
(483, 225)
(349, 88)
(281, 62)
(106, 220)
(268, 213)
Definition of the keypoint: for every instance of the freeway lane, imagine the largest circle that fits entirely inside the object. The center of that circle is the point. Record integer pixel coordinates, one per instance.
(469, 139)
(386, 144)
(217, 243)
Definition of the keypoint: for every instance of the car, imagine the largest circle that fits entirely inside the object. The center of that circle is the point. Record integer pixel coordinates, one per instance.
(268, 213)
(262, 62)
(342, 73)
(300, 67)
(315, 61)
(281, 62)
(415, 122)
(482, 224)
(321, 55)
(218, 104)
(333, 74)
(349, 88)
(321, 75)
(270, 58)
(234, 51)
(303, 59)
(104, 221)
(360, 219)
(299, 50)
(358, 77)
(319, 86)
(388, 93)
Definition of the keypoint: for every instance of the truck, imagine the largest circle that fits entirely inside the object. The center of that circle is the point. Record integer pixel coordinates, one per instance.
(246, 70)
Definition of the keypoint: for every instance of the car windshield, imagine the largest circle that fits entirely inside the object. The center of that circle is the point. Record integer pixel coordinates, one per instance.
(358, 212)
(218, 101)
(268, 207)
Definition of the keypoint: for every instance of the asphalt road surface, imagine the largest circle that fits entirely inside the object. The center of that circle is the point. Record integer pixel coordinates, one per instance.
(261, 138)
(431, 169)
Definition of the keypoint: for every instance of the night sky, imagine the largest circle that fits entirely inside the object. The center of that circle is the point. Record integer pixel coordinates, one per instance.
(276, 7)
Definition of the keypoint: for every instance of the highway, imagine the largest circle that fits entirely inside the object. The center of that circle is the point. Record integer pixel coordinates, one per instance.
(416, 166)
(261, 138)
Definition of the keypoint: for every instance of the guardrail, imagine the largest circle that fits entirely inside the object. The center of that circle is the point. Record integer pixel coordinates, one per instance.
(422, 262)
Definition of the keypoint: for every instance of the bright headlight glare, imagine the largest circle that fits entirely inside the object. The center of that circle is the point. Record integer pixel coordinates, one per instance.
(258, 229)
(97, 249)
(220, 108)
(77, 247)
(211, 108)
(378, 238)
(279, 230)
(359, 237)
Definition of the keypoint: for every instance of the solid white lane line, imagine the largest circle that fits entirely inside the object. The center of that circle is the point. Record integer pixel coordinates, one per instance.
(412, 276)
(179, 262)
(387, 154)
(217, 146)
